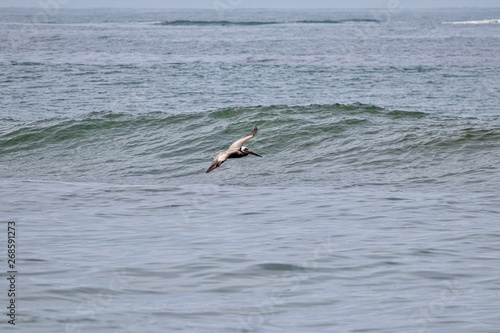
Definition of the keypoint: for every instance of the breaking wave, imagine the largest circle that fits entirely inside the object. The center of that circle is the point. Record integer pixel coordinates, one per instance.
(494, 21)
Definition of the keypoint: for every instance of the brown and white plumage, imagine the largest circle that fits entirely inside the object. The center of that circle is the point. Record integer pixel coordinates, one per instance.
(236, 150)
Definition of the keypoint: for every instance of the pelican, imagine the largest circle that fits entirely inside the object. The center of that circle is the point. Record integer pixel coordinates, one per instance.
(236, 150)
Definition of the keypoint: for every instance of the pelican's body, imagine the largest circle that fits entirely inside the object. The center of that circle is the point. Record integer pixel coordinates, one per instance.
(236, 150)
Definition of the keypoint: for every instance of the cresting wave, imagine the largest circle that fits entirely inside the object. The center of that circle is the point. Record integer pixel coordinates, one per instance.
(254, 23)
(317, 144)
(303, 124)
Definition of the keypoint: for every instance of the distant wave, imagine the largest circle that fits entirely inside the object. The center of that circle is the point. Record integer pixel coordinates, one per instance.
(253, 23)
(495, 21)
(208, 23)
(339, 21)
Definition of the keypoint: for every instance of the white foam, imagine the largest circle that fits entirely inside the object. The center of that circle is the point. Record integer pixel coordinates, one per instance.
(495, 21)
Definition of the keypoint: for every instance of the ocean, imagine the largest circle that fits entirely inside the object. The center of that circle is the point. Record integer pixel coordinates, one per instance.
(375, 206)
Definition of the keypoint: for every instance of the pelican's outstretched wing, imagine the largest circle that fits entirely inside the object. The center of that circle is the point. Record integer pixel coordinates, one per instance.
(215, 164)
(219, 158)
(240, 142)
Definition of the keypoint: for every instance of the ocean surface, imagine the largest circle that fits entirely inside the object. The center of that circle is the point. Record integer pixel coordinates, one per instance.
(375, 206)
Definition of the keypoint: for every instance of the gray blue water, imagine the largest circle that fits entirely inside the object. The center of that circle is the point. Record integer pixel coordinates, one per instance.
(375, 207)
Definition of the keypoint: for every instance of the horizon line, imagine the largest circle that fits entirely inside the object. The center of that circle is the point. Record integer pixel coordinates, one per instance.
(240, 8)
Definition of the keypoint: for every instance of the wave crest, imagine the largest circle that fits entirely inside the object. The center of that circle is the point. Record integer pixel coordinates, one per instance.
(493, 21)
(256, 23)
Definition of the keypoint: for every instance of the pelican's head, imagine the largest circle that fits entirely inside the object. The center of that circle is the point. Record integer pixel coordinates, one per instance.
(248, 151)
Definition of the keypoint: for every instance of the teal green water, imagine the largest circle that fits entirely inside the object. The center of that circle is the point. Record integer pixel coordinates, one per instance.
(374, 208)
(335, 145)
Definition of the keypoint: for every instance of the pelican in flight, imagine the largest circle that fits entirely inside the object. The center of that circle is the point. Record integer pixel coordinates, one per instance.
(236, 150)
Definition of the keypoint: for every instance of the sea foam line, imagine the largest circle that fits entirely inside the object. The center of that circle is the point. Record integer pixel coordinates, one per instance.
(494, 21)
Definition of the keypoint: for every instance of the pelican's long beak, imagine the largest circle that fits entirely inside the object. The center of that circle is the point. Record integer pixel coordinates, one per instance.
(253, 153)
